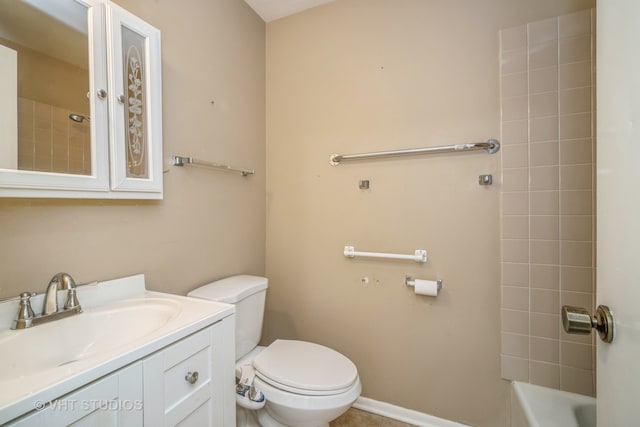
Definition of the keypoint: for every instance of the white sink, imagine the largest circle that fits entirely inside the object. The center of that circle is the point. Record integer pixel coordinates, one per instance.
(121, 322)
(82, 336)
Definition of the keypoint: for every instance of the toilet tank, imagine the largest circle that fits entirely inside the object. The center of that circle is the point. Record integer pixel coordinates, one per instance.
(248, 294)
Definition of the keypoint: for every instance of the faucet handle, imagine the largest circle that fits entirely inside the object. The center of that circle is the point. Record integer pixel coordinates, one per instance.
(25, 312)
(72, 300)
(25, 297)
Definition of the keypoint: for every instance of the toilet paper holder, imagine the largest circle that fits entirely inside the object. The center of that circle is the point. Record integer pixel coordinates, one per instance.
(409, 281)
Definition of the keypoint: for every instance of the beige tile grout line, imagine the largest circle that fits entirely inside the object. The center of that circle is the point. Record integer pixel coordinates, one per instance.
(559, 217)
(529, 193)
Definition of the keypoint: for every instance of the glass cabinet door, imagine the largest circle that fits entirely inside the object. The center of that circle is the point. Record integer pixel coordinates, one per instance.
(136, 107)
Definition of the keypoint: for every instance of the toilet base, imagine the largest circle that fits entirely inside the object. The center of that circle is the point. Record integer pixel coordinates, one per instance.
(246, 418)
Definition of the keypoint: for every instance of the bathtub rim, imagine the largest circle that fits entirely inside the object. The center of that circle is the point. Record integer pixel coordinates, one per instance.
(538, 401)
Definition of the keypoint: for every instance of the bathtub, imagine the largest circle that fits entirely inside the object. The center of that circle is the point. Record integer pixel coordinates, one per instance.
(535, 406)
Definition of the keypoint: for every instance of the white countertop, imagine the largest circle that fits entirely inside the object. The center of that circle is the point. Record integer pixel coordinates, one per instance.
(19, 394)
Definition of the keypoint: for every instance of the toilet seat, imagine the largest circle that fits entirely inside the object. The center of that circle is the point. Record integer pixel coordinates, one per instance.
(305, 368)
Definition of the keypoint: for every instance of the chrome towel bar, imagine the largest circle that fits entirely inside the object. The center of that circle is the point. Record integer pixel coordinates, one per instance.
(491, 146)
(181, 161)
(420, 255)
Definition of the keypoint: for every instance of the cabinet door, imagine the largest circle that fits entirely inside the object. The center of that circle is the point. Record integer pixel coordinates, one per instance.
(173, 397)
(115, 400)
(135, 103)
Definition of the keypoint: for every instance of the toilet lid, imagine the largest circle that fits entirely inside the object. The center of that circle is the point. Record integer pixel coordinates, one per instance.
(301, 366)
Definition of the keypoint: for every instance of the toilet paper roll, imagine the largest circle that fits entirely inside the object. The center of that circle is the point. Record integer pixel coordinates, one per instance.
(426, 287)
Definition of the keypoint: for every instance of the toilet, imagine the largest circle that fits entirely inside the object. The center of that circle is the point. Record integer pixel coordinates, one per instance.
(304, 384)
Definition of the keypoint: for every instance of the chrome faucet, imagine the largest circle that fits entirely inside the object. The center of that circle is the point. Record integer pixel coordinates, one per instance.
(61, 281)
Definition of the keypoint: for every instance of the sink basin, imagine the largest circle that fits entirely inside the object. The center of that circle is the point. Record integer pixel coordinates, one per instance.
(122, 322)
(91, 333)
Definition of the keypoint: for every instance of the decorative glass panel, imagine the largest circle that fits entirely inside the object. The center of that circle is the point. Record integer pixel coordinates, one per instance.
(133, 48)
(136, 94)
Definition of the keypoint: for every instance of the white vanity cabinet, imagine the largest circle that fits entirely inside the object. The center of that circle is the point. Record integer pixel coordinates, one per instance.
(94, 130)
(115, 400)
(188, 383)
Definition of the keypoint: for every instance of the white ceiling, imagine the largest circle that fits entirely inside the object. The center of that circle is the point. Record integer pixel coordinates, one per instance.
(270, 10)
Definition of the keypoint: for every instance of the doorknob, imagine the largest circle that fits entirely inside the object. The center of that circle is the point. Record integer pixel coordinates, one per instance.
(577, 320)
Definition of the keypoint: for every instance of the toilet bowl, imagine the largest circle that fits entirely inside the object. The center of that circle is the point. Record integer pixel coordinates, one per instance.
(304, 384)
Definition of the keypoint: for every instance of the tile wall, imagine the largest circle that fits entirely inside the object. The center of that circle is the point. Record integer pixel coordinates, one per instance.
(548, 199)
(49, 141)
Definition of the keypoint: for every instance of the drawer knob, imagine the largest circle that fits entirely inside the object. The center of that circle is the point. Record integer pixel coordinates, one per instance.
(191, 377)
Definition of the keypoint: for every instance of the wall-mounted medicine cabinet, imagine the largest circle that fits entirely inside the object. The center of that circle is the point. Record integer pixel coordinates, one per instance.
(80, 101)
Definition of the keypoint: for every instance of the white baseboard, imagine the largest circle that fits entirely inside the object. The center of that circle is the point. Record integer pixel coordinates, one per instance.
(403, 414)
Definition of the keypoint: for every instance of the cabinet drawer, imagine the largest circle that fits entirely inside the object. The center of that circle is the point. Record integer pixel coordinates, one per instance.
(177, 386)
(191, 356)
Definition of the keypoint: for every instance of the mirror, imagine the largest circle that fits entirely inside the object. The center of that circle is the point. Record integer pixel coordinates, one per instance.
(44, 84)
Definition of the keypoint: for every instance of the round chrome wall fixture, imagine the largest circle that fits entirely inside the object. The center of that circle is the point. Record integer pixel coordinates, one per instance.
(577, 320)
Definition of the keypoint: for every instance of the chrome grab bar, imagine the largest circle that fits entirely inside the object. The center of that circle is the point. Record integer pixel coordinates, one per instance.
(491, 146)
(181, 161)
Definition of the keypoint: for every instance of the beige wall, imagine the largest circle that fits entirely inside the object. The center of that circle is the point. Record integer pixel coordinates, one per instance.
(210, 224)
(367, 75)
